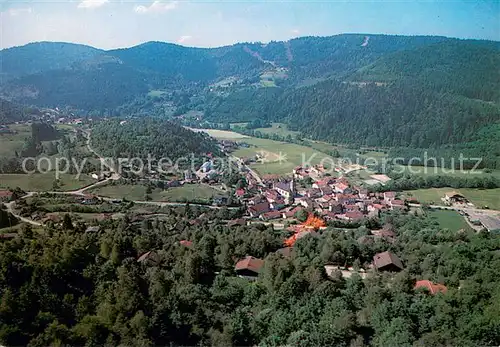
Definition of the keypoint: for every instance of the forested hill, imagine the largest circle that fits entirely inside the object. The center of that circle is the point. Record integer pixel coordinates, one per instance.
(377, 90)
(469, 68)
(41, 57)
(145, 136)
(92, 79)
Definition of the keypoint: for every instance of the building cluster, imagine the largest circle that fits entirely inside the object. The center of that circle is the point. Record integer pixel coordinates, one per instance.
(329, 197)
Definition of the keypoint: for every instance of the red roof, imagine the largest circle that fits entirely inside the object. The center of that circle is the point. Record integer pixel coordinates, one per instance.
(354, 215)
(341, 186)
(5, 193)
(249, 263)
(325, 181)
(186, 243)
(259, 208)
(272, 215)
(292, 212)
(240, 192)
(432, 287)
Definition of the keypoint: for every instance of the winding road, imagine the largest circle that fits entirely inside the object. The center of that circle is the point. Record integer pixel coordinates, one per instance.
(81, 192)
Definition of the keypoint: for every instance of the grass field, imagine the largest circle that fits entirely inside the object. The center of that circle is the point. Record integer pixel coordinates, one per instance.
(138, 192)
(450, 220)
(221, 134)
(292, 155)
(43, 182)
(187, 191)
(278, 129)
(479, 197)
(120, 191)
(9, 143)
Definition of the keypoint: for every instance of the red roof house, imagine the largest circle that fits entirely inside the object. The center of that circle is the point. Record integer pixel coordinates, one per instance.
(249, 266)
(431, 287)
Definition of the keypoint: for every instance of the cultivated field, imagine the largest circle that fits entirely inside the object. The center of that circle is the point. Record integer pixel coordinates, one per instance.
(190, 192)
(278, 129)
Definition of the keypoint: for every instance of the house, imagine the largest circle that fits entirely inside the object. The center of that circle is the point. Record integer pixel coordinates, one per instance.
(206, 167)
(387, 261)
(454, 197)
(340, 187)
(219, 200)
(5, 195)
(237, 222)
(271, 195)
(188, 175)
(336, 208)
(258, 209)
(307, 203)
(325, 182)
(249, 267)
(397, 204)
(239, 192)
(388, 196)
(89, 199)
(328, 215)
(351, 208)
(270, 215)
(256, 200)
(431, 287)
(285, 189)
(354, 215)
(313, 193)
(291, 213)
(363, 193)
(94, 229)
(149, 258)
(326, 190)
(186, 243)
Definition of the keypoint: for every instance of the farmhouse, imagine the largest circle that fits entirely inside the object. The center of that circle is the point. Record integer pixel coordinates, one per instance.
(455, 197)
(387, 261)
(249, 267)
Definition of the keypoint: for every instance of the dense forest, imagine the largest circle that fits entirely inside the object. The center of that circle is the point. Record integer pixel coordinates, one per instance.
(64, 286)
(141, 137)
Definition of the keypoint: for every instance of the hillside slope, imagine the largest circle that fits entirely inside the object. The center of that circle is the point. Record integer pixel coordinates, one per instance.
(159, 65)
(41, 57)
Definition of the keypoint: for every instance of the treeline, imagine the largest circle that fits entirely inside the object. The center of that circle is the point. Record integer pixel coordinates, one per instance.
(401, 182)
(64, 286)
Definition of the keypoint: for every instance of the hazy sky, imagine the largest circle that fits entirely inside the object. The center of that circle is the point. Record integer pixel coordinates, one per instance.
(112, 24)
